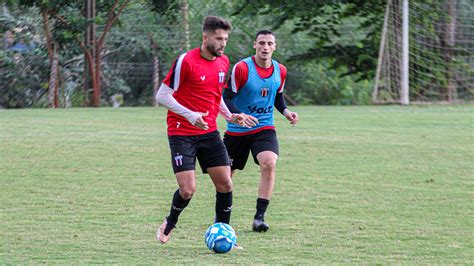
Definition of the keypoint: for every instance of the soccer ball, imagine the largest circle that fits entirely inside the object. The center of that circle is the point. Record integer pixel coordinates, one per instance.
(220, 238)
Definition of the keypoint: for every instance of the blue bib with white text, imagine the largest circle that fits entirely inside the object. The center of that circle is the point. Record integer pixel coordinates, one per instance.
(257, 97)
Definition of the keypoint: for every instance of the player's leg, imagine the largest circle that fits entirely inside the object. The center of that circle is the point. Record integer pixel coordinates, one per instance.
(183, 158)
(213, 158)
(181, 198)
(220, 176)
(265, 152)
(267, 162)
(238, 149)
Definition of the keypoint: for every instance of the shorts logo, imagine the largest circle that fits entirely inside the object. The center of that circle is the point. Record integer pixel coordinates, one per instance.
(264, 92)
(203, 78)
(178, 124)
(221, 76)
(228, 209)
(178, 159)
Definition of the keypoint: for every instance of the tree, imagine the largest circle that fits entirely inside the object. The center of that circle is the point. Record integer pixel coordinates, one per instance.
(347, 32)
(93, 54)
(49, 9)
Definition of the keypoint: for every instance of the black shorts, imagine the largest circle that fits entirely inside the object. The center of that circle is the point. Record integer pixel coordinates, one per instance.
(238, 147)
(208, 149)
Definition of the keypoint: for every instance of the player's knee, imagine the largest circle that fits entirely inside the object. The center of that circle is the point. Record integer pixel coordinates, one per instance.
(268, 165)
(187, 193)
(226, 186)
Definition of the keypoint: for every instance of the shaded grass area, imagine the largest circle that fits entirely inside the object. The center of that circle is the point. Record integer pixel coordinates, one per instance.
(385, 184)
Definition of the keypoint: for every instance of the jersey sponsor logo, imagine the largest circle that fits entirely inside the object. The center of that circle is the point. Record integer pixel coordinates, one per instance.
(264, 92)
(221, 76)
(203, 78)
(178, 159)
(260, 110)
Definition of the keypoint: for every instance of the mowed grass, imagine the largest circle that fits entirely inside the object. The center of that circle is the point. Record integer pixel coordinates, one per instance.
(355, 185)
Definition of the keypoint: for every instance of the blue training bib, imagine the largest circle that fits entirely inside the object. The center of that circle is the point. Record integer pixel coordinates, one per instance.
(257, 97)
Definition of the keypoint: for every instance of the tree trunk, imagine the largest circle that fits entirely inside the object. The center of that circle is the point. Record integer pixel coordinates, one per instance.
(90, 45)
(53, 55)
(450, 41)
(53, 80)
(99, 44)
(97, 79)
(156, 69)
(185, 12)
(156, 77)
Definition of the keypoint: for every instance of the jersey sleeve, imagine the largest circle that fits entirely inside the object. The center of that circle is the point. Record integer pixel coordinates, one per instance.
(239, 76)
(283, 78)
(177, 73)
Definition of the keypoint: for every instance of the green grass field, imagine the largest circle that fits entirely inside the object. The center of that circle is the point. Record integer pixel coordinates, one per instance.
(355, 185)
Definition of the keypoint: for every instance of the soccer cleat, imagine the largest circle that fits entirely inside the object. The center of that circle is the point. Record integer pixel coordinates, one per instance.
(164, 231)
(237, 247)
(259, 226)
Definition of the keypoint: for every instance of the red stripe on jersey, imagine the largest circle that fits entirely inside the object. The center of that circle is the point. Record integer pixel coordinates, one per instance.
(249, 132)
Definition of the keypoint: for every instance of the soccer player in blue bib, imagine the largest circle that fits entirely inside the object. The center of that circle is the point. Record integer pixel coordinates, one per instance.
(256, 88)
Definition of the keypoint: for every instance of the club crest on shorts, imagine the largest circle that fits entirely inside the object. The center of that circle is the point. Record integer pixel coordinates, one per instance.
(221, 76)
(178, 159)
(264, 92)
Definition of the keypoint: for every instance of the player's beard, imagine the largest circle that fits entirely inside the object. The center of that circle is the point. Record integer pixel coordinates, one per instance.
(212, 49)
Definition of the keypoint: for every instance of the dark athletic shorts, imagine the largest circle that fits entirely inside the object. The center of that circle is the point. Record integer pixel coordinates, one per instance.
(207, 148)
(238, 147)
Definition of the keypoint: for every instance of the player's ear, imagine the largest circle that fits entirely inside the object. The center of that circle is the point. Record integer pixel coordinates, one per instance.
(254, 45)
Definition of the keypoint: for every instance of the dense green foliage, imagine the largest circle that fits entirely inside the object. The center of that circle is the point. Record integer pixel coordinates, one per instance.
(329, 47)
(127, 63)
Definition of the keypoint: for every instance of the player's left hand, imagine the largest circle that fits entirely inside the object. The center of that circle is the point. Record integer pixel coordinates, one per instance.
(244, 120)
(291, 116)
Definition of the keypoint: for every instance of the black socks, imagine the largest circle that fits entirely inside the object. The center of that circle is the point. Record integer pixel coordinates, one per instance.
(262, 205)
(223, 207)
(177, 206)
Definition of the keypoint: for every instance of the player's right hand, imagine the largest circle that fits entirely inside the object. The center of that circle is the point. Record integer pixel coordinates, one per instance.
(200, 123)
(244, 120)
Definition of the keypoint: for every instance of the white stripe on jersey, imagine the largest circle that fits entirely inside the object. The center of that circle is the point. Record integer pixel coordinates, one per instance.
(177, 72)
(232, 79)
(282, 86)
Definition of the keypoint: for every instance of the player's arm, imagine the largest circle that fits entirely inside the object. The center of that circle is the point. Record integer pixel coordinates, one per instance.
(165, 98)
(171, 84)
(237, 118)
(280, 104)
(227, 97)
(237, 78)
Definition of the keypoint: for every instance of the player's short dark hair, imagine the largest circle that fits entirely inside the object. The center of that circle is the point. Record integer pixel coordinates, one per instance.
(213, 23)
(264, 32)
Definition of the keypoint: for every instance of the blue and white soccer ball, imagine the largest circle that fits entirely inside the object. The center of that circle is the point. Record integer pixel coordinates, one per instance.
(220, 238)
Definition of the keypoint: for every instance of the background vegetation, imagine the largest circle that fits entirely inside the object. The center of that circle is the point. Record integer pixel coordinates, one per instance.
(329, 47)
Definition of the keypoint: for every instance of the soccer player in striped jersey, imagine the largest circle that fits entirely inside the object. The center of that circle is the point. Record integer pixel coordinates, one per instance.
(192, 92)
(255, 88)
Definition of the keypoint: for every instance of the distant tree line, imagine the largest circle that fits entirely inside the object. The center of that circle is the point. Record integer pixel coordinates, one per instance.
(329, 47)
